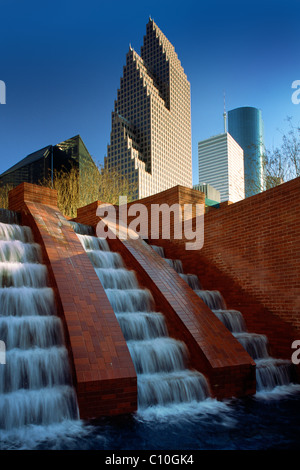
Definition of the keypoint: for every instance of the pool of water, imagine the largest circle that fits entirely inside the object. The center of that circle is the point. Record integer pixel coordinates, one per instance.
(266, 421)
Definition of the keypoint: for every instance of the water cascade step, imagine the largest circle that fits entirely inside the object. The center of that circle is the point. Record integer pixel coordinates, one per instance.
(35, 382)
(160, 361)
(270, 372)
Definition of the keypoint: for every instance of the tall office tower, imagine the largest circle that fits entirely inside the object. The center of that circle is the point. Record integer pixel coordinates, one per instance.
(150, 140)
(221, 165)
(247, 128)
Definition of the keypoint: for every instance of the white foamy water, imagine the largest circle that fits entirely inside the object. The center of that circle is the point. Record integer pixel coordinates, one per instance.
(175, 264)
(35, 381)
(47, 406)
(142, 325)
(130, 300)
(161, 354)
(192, 280)
(165, 388)
(112, 278)
(34, 369)
(256, 345)
(23, 301)
(15, 251)
(23, 275)
(278, 392)
(105, 259)
(55, 436)
(213, 299)
(187, 412)
(232, 319)
(31, 331)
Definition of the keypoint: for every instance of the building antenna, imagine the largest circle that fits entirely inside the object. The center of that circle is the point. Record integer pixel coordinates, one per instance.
(225, 116)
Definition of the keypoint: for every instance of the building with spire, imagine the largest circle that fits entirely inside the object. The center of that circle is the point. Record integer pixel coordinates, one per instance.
(150, 140)
(221, 166)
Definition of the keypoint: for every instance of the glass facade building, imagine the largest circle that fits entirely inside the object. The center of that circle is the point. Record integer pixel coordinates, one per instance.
(40, 165)
(246, 127)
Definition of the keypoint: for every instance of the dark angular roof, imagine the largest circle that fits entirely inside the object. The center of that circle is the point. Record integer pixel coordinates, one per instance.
(32, 157)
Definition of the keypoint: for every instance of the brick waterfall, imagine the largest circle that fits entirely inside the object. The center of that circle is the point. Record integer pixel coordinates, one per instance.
(35, 380)
(160, 361)
(270, 372)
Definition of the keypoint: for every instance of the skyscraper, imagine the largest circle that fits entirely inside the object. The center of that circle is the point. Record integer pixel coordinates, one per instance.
(150, 140)
(246, 127)
(221, 165)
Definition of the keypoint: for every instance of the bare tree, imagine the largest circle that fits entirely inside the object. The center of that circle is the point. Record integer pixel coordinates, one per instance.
(4, 190)
(283, 163)
(77, 188)
(273, 167)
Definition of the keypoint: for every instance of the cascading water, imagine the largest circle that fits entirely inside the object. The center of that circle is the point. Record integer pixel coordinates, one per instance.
(270, 372)
(35, 382)
(191, 279)
(160, 361)
(10, 217)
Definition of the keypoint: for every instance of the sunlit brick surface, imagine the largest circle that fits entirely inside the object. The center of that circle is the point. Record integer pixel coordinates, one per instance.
(103, 372)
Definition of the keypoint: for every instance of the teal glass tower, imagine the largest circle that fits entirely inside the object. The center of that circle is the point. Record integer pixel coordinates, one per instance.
(246, 126)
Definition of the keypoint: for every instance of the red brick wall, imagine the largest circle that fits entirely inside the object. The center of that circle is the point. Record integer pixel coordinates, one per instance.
(104, 375)
(251, 254)
(178, 195)
(87, 214)
(256, 242)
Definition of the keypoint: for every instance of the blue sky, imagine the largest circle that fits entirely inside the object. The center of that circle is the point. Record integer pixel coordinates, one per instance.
(62, 62)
